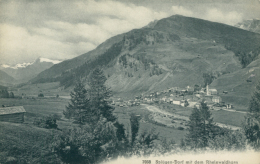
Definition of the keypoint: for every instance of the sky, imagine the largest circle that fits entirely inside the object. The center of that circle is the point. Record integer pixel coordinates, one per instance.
(64, 29)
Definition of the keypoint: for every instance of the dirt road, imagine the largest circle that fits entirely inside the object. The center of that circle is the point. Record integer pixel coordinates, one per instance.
(157, 110)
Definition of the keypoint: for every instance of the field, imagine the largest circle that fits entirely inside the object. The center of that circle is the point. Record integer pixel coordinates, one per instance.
(167, 133)
(26, 142)
(221, 116)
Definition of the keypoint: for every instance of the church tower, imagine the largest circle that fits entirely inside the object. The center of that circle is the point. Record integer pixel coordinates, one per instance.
(207, 88)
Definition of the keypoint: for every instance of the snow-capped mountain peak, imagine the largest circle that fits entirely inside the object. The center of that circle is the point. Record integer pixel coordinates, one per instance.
(5, 66)
(23, 65)
(17, 66)
(25, 71)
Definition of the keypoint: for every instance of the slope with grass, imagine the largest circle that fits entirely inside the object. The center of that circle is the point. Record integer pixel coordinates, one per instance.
(239, 84)
(6, 79)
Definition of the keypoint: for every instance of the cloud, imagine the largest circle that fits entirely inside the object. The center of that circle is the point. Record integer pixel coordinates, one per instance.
(19, 45)
(211, 14)
(65, 29)
(231, 17)
(181, 11)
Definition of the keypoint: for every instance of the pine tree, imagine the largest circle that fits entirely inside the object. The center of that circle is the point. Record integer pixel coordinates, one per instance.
(78, 105)
(99, 95)
(201, 127)
(252, 120)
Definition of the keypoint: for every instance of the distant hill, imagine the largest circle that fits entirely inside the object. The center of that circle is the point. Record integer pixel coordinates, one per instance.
(250, 25)
(3, 87)
(5, 78)
(26, 71)
(175, 51)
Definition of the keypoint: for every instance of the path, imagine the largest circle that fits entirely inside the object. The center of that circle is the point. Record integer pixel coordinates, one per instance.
(231, 110)
(157, 110)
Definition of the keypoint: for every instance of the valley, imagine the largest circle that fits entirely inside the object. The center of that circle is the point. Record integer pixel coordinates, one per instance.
(148, 81)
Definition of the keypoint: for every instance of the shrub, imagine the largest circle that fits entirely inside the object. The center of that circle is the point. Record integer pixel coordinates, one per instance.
(48, 122)
(230, 140)
(40, 95)
(180, 128)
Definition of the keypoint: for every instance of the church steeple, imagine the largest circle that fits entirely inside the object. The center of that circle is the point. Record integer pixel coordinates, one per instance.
(207, 88)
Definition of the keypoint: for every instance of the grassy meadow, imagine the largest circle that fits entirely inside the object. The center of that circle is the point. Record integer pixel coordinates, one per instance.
(221, 116)
(167, 133)
(29, 144)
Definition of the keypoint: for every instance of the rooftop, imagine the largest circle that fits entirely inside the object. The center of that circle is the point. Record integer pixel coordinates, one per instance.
(12, 110)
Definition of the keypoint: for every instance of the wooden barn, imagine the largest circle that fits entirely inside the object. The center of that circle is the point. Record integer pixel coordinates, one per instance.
(12, 114)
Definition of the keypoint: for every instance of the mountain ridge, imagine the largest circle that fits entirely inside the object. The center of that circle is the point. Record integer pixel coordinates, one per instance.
(6, 79)
(176, 52)
(26, 71)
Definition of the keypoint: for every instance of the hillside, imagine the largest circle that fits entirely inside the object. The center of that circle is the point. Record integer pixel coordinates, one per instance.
(239, 84)
(250, 25)
(175, 51)
(5, 78)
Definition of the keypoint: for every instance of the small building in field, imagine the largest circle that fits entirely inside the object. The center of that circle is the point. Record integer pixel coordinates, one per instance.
(225, 92)
(229, 106)
(176, 102)
(12, 114)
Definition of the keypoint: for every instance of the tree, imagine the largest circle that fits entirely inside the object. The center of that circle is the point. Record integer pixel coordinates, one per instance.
(252, 120)
(208, 78)
(11, 95)
(201, 127)
(87, 145)
(40, 95)
(228, 140)
(186, 103)
(4, 93)
(99, 96)
(48, 122)
(78, 107)
(134, 121)
(196, 88)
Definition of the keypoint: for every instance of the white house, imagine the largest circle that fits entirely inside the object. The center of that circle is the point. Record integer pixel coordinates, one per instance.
(216, 99)
(176, 102)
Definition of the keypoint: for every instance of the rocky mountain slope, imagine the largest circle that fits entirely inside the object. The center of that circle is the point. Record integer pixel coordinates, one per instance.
(175, 51)
(6, 79)
(250, 25)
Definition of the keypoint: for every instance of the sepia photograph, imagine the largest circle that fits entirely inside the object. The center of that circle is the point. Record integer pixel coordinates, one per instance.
(129, 81)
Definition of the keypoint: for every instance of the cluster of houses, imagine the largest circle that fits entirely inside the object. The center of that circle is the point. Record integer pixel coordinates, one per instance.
(121, 103)
(186, 97)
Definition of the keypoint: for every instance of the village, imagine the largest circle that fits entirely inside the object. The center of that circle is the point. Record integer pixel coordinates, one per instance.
(186, 97)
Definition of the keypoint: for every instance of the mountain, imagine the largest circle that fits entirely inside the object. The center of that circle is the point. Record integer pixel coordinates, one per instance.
(5, 78)
(26, 71)
(176, 51)
(250, 25)
(239, 84)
